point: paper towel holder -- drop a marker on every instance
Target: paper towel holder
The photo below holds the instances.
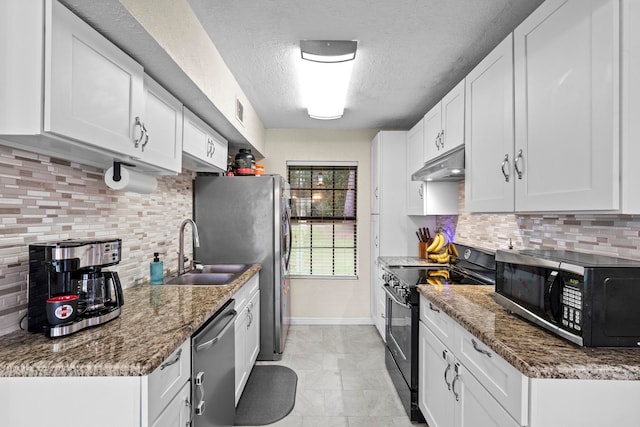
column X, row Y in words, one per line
column 117, row 171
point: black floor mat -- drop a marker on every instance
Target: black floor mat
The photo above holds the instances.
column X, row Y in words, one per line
column 269, row 396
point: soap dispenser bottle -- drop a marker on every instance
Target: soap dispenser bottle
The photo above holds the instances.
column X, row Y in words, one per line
column 156, row 270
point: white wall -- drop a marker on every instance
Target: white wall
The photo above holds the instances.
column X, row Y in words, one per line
column 327, row 300
column 177, row 30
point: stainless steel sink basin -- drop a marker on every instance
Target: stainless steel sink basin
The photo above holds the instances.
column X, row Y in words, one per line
column 210, row 275
column 225, row 268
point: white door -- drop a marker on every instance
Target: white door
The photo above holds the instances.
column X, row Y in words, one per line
column 432, row 132
column 435, row 376
column 375, row 253
column 253, row 331
column 475, row 406
column 489, row 180
column 376, row 147
column 207, row 148
column 415, row 190
column 162, row 144
column 178, row 411
column 452, row 119
column 567, row 106
column 93, row 90
column 241, row 373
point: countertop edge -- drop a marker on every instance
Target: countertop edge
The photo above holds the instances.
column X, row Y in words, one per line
column 47, row 368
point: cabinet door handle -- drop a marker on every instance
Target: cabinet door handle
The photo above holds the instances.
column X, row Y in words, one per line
column 505, row 172
column 434, row 308
column 146, row 136
column 477, row 348
column 187, row 404
column 173, row 361
column 420, row 192
column 442, row 139
column 519, row 170
column 446, row 371
column 437, row 141
column 453, row 383
column 139, row 124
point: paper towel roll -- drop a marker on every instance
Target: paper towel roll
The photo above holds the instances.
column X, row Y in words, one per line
column 130, row 181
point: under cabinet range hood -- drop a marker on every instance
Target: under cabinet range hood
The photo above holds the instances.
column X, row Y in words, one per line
column 446, row 167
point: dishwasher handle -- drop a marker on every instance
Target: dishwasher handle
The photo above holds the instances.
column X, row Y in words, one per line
column 208, row 344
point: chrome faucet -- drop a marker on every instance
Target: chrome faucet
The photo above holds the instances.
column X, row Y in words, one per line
column 196, row 243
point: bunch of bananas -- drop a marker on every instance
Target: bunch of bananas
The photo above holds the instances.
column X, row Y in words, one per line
column 437, row 277
column 441, row 250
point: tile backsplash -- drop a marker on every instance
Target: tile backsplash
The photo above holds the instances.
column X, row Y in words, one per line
column 614, row 235
column 46, row 199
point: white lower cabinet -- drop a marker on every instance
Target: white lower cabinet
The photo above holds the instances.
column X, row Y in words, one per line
column 161, row 398
column 163, row 385
column 247, row 332
column 448, row 393
column 178, row 411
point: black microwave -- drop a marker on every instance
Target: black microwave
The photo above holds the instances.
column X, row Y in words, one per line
column 591, row 300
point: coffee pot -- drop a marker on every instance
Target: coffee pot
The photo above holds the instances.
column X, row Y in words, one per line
column 98, row 291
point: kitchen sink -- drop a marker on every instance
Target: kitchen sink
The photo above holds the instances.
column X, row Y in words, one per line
column 210, row 275
column 225, row 268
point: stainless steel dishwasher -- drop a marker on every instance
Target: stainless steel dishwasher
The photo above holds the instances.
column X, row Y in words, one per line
column 213, row 370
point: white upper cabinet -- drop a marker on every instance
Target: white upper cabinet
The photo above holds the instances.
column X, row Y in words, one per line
column 489, row 134
column 567, row 145
column 162, row 142
column 72, row 94
column 415, row 190
column 444, row 124
column 204, row 150
column 93, row 90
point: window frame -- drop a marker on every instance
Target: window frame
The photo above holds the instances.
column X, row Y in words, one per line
column 333, row 220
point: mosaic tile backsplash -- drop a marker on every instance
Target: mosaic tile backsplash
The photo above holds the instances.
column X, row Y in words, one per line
column 46, row 199
column 613, row 235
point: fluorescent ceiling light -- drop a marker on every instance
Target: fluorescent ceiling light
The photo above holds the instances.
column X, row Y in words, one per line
column 325, row 75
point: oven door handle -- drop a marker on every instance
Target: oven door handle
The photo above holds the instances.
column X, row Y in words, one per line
column 394, row 297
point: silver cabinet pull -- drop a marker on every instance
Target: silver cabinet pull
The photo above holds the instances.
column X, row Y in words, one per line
column 199, row 382
column 146, row 136
column 187, row 404
column 442, row 139
column 446, row 371
column 139, row 124
column 434, row 308
column 173, row 361
column 453, row 383
column 420, row 192
column 477, row 348
column 437, row 141
column 211, row 148
column 519, row 170
column 505, row 172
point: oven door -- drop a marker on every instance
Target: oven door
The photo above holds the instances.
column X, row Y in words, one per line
column 398, row 332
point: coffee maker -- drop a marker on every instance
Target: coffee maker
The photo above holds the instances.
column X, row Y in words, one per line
column 74, row 267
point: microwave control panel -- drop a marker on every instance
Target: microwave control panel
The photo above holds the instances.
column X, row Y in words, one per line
column 571, row 302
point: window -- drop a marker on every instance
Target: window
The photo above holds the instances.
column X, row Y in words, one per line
column 323, row 219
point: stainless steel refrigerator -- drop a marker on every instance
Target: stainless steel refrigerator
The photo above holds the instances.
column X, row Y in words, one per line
column 245, row 219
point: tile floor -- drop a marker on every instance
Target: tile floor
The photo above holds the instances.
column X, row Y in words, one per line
column 342, row 379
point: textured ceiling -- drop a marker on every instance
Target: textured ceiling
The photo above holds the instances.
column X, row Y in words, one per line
column 410, row 52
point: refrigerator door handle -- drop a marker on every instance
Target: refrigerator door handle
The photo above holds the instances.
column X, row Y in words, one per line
column 287, row 220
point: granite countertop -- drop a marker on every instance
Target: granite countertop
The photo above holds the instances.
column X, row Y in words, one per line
column 532, row 350
column 154, row 322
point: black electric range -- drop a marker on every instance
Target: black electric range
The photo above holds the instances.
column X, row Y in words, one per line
column 472, row 267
